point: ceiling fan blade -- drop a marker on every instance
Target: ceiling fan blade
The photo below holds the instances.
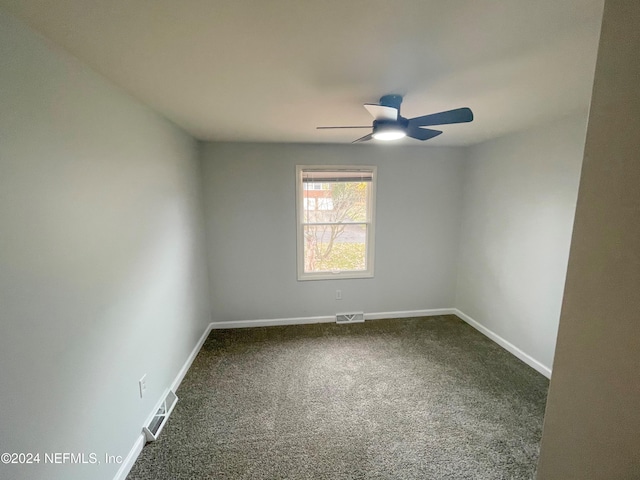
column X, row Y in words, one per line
column 364, row 139
column 325, row 128
column 381, row 112
column 422, row 133
column 459, row 115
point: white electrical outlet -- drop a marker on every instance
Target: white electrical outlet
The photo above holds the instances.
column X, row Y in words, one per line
column 142, row 383
column 338, row 294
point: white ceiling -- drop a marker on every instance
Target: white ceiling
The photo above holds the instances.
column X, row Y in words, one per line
column 273, row 70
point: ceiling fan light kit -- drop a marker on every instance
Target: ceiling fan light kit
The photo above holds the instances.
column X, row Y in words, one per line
column 388, row 131
column 388, row 124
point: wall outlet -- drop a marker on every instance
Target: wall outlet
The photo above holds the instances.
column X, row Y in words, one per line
column 142, row 383
column 338, row 294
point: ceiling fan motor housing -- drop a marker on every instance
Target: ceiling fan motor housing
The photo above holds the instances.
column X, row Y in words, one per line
column 391, row 101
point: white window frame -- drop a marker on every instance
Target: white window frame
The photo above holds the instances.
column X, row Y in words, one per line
column 370, row 242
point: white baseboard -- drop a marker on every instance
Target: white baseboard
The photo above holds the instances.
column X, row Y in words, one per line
column 192, row 356
column 409, row 313
column 131, row 458
column 510, row 347
column 133, row 454
column 271, row 322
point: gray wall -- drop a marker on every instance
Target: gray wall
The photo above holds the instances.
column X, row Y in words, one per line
column 251, row 230
column 101, row 271
column 519, row 201
column 592, row 424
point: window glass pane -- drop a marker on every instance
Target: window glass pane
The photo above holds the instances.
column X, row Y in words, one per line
column 337, row 247
column 309, row 203
column 336, row 202
column 325, row 204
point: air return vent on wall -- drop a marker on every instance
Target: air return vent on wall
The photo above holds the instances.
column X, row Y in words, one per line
column 354, row 317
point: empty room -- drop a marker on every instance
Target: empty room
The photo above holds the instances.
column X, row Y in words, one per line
column 319, row 240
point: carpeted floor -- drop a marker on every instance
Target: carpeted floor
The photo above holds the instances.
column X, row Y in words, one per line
column 416, row 398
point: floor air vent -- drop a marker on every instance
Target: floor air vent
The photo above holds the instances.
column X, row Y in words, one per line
column 159, row 420
column 354, row 317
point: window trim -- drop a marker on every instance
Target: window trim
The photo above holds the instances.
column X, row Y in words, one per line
column 370, row 249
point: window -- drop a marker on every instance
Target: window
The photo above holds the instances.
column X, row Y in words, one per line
column 335, row 208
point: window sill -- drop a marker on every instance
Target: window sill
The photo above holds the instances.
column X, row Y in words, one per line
column 303, row 277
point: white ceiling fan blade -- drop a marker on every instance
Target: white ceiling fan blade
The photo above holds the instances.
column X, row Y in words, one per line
column 380, row 112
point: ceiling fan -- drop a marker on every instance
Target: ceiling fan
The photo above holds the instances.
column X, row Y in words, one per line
column 388, row 124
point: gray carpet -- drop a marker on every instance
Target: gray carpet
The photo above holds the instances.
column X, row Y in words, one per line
column 417, row 398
